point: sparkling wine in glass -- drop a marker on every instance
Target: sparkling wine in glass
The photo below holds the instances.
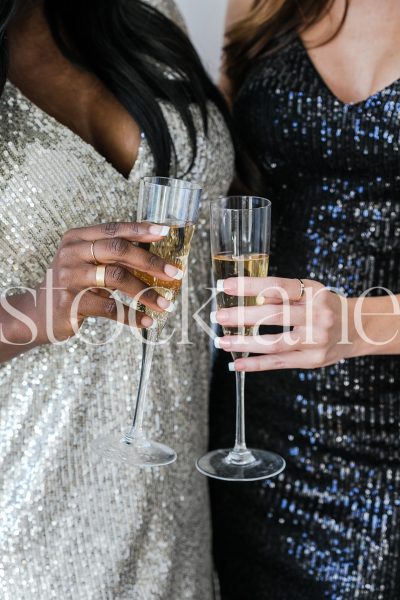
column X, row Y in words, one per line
column 175, row 203
column 173, row 249
column 228, row 265
column 240, row 243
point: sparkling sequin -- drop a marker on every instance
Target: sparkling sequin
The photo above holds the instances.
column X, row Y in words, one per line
column 329, row 526
column 72, row 526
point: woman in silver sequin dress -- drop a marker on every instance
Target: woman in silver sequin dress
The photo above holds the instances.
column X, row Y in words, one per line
column 72, row 526
column 318, row 108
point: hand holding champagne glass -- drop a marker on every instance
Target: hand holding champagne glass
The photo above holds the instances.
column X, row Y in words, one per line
column 174, row 204
column 240, row 241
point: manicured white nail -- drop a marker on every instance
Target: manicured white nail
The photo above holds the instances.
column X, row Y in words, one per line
column 213, row 317
column 159, row 230
column 173, row 272
column 217, row 343
column 231, row 366
column 260, row 300
column 148, row 322
column 165, row 304
column 171, row 308
column 220, row 285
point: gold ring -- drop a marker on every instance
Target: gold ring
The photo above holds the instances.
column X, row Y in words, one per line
column 302, row 288
column 95, row 261
column 101, row 276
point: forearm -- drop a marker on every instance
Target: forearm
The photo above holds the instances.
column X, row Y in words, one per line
column 375, row 325
column 18, row 326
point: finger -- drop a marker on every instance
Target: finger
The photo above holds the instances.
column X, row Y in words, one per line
column 267, row 287
column 101, row 292
column 298, row 359
column 119, row 278
column 93, row 305
column 123, row 252
column 134, row 232
column 259, row 344
column 116, row 278
column 288, row 315
column 145, row 296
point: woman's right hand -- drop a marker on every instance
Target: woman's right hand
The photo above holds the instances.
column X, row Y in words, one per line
column 73, row 270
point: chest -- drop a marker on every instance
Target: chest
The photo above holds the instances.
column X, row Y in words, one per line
column 81, row 103
column 51, row 181
column 358, row 56
column 299, row 128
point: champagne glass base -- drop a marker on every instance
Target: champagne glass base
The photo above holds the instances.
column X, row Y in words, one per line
column 138, row 452
column 218, row 464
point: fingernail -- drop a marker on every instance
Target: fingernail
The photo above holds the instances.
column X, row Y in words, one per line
column 260, row 300
column 159, row 230
column 217, row 343
column 220, row 285
column 147, row 321
column 232, row 366
column 165, row 304
column 222, row 317
column 173, row 272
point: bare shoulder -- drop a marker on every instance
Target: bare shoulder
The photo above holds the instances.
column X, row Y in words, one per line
column 237, row 10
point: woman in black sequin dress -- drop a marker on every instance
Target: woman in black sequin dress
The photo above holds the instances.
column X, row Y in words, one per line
column 327, row 147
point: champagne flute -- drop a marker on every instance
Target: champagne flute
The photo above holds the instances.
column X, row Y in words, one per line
column 240, row 241
column 175, row 203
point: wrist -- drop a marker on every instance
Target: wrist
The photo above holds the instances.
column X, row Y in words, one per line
column 374, row 325
column 20, row 322
column 357, row 346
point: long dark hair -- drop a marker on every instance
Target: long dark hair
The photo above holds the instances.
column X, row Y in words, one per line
column 270, row 25
column 7, row 12
column 138, row 53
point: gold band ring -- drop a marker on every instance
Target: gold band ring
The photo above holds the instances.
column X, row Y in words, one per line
column 302, row 288
column 95, row 261
column 101, row 276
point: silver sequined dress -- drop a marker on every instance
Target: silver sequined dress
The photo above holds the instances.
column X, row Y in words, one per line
column 72, row 526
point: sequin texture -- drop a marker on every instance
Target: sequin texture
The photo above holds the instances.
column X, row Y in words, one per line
column 329, row 526
column 71, row 525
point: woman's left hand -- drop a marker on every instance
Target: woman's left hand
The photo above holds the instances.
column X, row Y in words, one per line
column 322, row 324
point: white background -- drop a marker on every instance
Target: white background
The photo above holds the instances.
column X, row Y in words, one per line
column 205, row 20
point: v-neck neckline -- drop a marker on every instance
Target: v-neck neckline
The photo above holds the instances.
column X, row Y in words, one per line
column 373, row 96
column 78, row 138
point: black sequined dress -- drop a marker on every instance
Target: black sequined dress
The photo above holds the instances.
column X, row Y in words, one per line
column 329, row 527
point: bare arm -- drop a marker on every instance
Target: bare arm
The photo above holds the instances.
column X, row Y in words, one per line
column 56, row 309
column 326, row 327
column 17, row 336
column 237, row 10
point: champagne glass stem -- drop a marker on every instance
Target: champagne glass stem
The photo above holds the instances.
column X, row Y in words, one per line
column 149, row 339
column 240, row 439
column 240, row 455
